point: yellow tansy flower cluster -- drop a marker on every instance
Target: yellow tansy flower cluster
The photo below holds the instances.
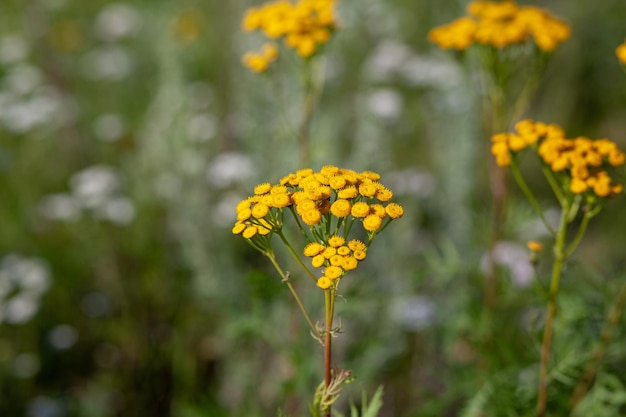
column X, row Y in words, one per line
column 337, row 258
column 303, row 26
column 341, row 193
column 329, row 202
column 500, row 24
column 583, row 159
column 621, row 53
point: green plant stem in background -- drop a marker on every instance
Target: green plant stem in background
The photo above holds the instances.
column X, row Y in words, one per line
column 606, row 335
column 557, row 267
column 314, row 84
column 529, row 195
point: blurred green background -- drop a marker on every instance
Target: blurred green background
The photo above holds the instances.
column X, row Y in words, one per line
column 129, row 131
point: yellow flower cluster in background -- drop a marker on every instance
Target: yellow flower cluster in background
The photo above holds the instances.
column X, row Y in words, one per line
column 621, row 53
column 584, row 160
column 329, row 202
column 303, row 26
column 260, row 61
column 500, row 24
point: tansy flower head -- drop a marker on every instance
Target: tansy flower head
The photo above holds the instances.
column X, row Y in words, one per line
column 325, row 205
column 581, row 163
column 303, row 26
column 501, row 24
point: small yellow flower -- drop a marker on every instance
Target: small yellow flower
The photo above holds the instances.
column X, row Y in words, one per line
column 312, row 217
column 367, row 189
column 281, row 200
column 262, row 188
column 318, row 261
column 348, row 193
column 356, row 245
column 238, row 228
column 343, row 251
column 313, row 249
column 359, row 255
column 329, row 251
column 336, row 241
column 372, row 223
column 324, row 283
column 260, row 210
column 395, row 211
column 349, row 263
column 360, row 209
column 341, row 208
column 333, row 272
column 250, row 232
column 244, row 214
column 534, row 246
column 336, row 260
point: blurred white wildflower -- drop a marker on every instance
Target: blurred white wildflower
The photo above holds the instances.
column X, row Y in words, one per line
column 23, row 79
column 97, row 189
column 414, row 313
column 60, row 206
column 109, row 127
column 23, row 114
column 429, row 71
column 112, row 63
column 118, row 210
column 62, row 336
column 22, row 283
column 230, row 168
column 411, row 181
column 384, row 62
column 13, row 49
column 25, row 365
column 385, row 103
column 95, row 185
column 201, row 127
column 392, row 60
column 117, row 21
column 515, row 257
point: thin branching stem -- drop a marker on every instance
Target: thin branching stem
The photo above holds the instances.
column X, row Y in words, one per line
column 285, row 278
column 557, row 267
column 530, row 196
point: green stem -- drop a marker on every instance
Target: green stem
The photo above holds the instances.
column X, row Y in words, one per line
column 579, row 235
column 329, row 298
column 529, row 195
column 285, row 278
column 556, row 188
column 557, row 267
column 313, row 87
column 295, row 256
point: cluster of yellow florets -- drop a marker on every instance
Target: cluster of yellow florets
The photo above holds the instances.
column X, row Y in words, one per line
column 500, row 24
column 621, row 53
column 329, row 202
column 341, row 193
column 303, row 26
column 260, row 61
column 336, row 257
column 584, row 160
